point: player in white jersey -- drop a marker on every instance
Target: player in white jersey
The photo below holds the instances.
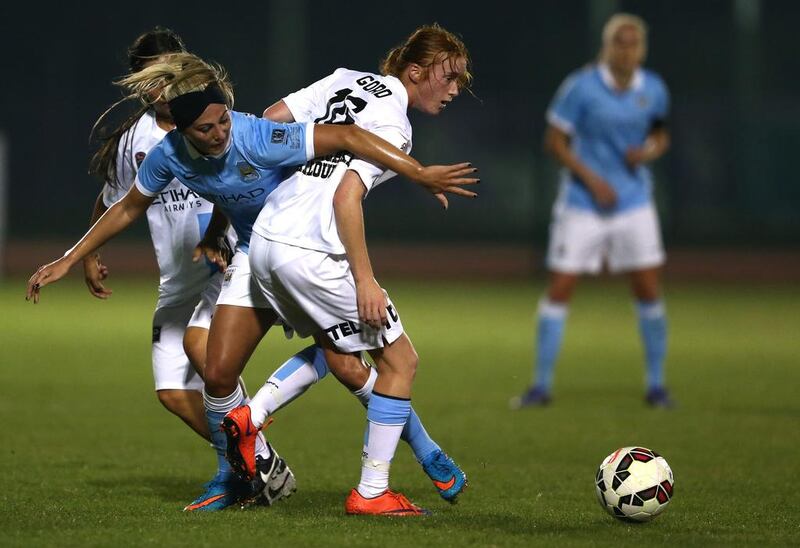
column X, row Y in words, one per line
column 308, row 252
column 215, row 157
column 606, row 122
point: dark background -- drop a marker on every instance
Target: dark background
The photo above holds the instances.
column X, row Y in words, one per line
column 731, row 67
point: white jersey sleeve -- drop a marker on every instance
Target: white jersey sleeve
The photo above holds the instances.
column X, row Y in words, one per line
column 131, row 150
column 300, row 211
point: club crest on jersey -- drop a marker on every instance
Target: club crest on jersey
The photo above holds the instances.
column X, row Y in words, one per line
column 642, row 101
column 247, row 172
column 278, row 135
column 139, row 157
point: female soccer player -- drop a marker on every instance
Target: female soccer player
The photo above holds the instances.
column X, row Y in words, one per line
column 606, row 122
column 309, row 256
column 233, row 160
column 188, row 288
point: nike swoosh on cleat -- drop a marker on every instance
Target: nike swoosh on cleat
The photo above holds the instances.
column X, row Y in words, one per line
column 445, row 486
column 275, row 492
column 205, row 502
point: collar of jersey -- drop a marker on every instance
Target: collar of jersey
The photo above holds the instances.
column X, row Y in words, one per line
column 398, row 86
column 608, row 79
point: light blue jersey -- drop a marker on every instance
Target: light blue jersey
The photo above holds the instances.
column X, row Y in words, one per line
column 238, row 181
column 603, row 124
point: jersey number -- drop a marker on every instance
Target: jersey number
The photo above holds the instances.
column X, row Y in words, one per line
column 341, row 108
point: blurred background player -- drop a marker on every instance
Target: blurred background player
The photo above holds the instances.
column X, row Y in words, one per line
column 309, row 256
column 606, row 122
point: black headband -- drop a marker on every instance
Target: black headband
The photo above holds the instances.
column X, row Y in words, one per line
column 188, row 107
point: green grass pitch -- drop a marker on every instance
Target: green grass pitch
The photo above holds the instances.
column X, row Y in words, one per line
column 89, row 458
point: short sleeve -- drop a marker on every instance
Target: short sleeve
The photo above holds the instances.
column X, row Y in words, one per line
column 373, row 174
column 274, row 144
column 125, row 170
column 154, row 173
column 662, row 102
column 303, row 102
column 565, row 109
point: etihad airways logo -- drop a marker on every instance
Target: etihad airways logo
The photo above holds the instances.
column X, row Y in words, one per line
column 177, row 199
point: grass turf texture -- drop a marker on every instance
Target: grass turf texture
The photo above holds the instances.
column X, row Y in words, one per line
column 90, row 458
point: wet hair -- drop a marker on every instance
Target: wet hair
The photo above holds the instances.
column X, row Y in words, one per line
column 617, row 22
column 428, row 45
column 147, row 47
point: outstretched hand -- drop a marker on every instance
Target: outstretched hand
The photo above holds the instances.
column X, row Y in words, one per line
column 441, row 180
column 216, row 250
column 46, row 274
column 94, row 274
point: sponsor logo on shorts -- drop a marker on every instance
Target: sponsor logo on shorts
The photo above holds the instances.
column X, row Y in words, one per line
column 156, row 333
column 348, row 329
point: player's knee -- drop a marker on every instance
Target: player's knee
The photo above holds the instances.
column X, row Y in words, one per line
column 218, row 382
column 172, row 400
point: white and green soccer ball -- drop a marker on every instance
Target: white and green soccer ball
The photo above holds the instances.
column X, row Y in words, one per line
column 634, row 484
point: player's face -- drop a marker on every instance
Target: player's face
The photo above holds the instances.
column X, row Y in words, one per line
column 626, row 51
column 211, row 131
column 440, row 85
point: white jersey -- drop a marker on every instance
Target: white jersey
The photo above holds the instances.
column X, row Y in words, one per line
column 177, row 217
column 300, row 211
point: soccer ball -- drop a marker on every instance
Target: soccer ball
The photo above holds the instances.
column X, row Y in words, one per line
column 634, row 484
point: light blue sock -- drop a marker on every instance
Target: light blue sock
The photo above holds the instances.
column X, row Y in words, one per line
column 653, row 329
column 414, row 434
column 549, row 334
column 216, row 408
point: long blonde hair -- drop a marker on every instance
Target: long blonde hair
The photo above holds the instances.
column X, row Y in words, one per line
column 427, row 45
column 175, row 75
column 147, row 47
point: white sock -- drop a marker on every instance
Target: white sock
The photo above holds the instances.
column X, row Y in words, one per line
column 225, row 403
column 365, row 391
column 288, row 382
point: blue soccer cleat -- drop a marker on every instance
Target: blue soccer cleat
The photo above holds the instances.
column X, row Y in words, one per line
column 224, row 490
column 659, row 397
column 535, row 396
column 447, row 477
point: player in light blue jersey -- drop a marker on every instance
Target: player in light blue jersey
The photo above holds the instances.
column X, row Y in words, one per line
column 605, row 124
column 234, row 161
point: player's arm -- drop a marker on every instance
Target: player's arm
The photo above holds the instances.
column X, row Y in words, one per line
column 214, row 244
column 330, row 138
column 118, row 217
column 653, row 148
column 557, row 143
column 350, row 224
column 279, row 112
column 94, row 271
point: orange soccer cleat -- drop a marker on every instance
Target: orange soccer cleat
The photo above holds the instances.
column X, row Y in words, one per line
column 387, row 504
column 241, row 434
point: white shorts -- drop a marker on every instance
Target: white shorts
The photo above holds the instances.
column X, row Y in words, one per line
column 314, row 292
column 204, row 311
column 238, row 287
column 581, row 240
